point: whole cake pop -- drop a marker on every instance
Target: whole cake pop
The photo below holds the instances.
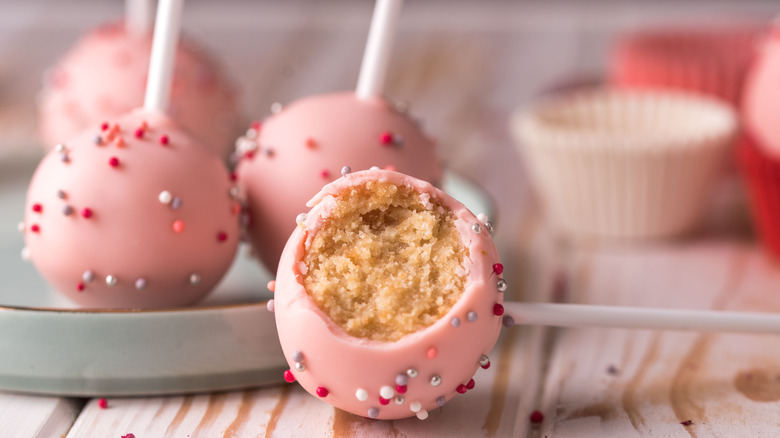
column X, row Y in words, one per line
column 388, row 296
column 134, row 213
column 289, row 157
column 104, row 74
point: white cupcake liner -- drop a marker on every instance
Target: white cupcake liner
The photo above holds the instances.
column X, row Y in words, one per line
column 622, row 163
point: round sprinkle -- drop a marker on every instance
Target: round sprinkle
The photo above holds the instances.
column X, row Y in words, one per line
column 195, row 279
column 61, row 194
column 165, row 197
column 398, row 139
column 80, row 287
column 432, row 353
column 472, row 316
column 415, row 406
column 498, row 268
column 401, row 389
column 501, row 285
column 144, row 125
column 470, row 385
column 139, row 133
column 88, row 276
column 176, row 203
column 98, row 140
column 386, row 138
column 104, row 126
column 276, row 108
column 390, row 167
column 140, row 283
column 477, row 228
column 508, row 321
column 325, row 173
column 222, row 236
column 86, row 213
column 20, row 227
column 251, row 133
column 361, row 394
column 178, row 226
column 440, row 401
column 164, row 140
column 498, row 309
column 373, row 412
column 270, row 306
column 271, row 285
column 346, row 170
column 386, row 392
column 102, row 403
column 119, row 142
column 374, row 168
column 422, row 415
column 37, row 208
column 311, row 143
column 64, row 157
column 436, row 380
column 461, row 389
column 300, row 366
column 411, row 372
column 482, row 217
column 60, row 147
column 288, row 376
column 35, row 228
column 383, row 401
column 322, row 391
column 300, row 218
column 399, row 400
column 25, row 254
column 67, row 210
column 269, row 152
column 233, row 192
column 536, row 417
column 455, row 322
column 111, row 280
column 401, row 379
column 297, row 356
column 484, row 361
column 491, row 229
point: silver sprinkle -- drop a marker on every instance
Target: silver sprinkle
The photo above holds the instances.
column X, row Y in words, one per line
column 501, row 284
column 67, row 210
column 176, row 203
column 60, row 147
column 373, row 412
column 411, row 372
column 297, row 356
column 508, row 321
column 111, row 280
column 61, row 194
column 477, row 228
column 374, row 168
column 300, row 218
column 484, row 360
column 64, row 157
column 398, row 139
column 399, row 399
column 140, row 283
column 441, row 401
column 346, row 170
column 471, row 316
column 401, row 379
column 401, row 106
column 436, row 380
column 455, row 322
column 276, row 108
column 98, row 140
column 269, row 152
column 194, row 279
column 300, row 366
column 489, row 226
column 88, row 276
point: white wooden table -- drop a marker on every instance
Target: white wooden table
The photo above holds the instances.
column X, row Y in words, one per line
column 463, row 66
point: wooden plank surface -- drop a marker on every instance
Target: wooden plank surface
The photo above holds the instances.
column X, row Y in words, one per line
column 27, row 416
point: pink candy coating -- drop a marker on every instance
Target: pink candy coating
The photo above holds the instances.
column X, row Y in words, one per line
column 761, row 96
column 355, row 370
column 306, row 145
column 103, row 76
column 125, row 232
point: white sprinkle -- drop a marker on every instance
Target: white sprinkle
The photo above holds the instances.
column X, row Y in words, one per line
column 140, row 283
column 276, row 108
column 415, row 406
column 300, row 366
column 111, row 280
column 194, row 279
column 165, row 197
column 20, row 227
column 60, row 147
column 422, row 415
column 386, row 392
column 25, row 253
column 361, row 394
column 482, row 217
column 300, row 218
column 88, row 276
column 374, row 168
column 270, row 306
column 251, row 133
column 346, row 170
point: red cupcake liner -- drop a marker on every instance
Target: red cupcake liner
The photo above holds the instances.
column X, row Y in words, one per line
column 761, row 173
column 712, row 61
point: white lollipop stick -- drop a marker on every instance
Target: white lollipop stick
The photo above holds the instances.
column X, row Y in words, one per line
column 166, row 37
column 138, row 16
column 586, row 315
column 378, row 48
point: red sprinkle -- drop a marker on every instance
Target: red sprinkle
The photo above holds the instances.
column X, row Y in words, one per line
column 80, row 287
column 178, row 226
column 256, row 125
column 322, row 392
column 461, row 389
column 401, row 389
column 129, row 435
column 686, row 422
column 536, row 417
column 498, row 268
column 249, row 155
column 383, row 401
column 113, row 161
column 432, row 353
column 104, row 126
column 471, row 384
column 486, row 366
column 498, row 309
column 288, row 376
column 139, row 133
column 325, row 174
column 35, row 228
column 37, row 208
column 222, row 236
column 102, row 403
column 233, row 176
column 164, row 140
column 86, row 213
column 390, row 167
column 144, row 125
column 386, row 138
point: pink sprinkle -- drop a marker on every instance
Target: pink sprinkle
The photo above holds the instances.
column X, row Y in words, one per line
column 104, row 126
column 129, row 435
column 498, row 268
column 113, row 161
column 432, row 353
column 102, row 403
column 222, row 236
column 86, row 213
column 271, row 285
column 139, row 133
column 401, row 389
column 311, row 143
column 390, row 167
column 235, row 209
column 498, row 309
column 288, row 376
column 383, row 401
column 461, row 389
column 35, row 228
column 322, row 392
column 256, row 125
column 164, row 140
column 178, row 226
column 37, row 208
column 325, row 174
column 471, row 384
column 80, row 287
column 386, row 138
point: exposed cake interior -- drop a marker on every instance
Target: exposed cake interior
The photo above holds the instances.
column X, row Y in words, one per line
column 387, row 262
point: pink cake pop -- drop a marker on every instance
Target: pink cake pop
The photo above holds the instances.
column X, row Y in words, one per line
column 132, row 214
column 363, row 365
column 104, row 75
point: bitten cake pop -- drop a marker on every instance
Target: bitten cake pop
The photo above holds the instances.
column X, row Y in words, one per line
column 104, row 75
column 289, row 157
column 388, row 296
column 133, row 213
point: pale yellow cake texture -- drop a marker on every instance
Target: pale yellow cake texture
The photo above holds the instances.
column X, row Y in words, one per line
column 387, row 262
